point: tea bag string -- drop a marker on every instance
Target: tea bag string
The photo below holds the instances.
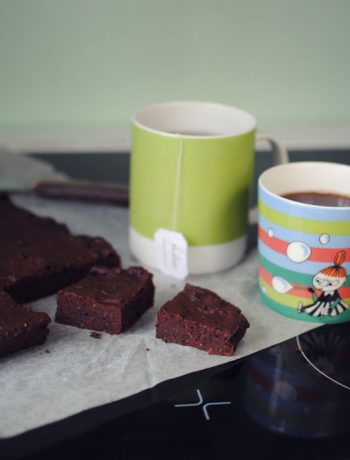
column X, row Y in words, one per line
column 178, row 172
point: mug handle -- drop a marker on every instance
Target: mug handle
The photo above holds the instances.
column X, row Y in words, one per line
column 280, row 157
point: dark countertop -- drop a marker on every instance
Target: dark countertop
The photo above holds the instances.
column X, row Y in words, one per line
column 114, row 167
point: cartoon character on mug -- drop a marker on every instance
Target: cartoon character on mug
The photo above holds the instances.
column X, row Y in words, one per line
column 328, row 281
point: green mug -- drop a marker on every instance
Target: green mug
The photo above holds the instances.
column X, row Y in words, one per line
column 191, row 172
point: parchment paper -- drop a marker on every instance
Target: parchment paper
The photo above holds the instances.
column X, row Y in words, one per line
column 72, row 371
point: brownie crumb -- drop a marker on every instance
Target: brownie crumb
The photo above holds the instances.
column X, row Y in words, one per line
column 147, row 349
column 95, row 335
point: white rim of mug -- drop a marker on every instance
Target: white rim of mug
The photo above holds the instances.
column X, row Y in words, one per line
column 193, row 136
column 297, row 203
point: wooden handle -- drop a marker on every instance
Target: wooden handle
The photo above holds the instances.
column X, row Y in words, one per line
column 94, row 192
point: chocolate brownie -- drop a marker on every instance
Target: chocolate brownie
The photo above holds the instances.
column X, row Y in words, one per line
column 39, row 256
column 107, row 299
column 200, row 318
column 20, row 327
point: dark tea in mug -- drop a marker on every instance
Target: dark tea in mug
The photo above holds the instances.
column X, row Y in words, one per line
column 319, row 198
column 304, row 240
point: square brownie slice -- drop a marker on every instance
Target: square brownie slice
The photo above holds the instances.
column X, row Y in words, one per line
column 107, row 299
column 200, row 318
column 20, row 327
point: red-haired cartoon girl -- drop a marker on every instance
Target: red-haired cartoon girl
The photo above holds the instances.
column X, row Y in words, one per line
column 328, row 280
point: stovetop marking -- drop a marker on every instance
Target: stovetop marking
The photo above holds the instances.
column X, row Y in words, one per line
column 205, row 406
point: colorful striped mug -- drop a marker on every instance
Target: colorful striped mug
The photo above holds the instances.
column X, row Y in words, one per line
column 304, row 249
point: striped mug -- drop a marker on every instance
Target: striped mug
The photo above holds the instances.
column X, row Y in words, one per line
column 304, row 249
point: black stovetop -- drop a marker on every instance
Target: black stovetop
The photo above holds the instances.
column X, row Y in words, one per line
column 289, row 401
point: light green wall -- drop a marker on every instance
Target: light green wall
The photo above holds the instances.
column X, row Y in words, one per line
column 93, row 62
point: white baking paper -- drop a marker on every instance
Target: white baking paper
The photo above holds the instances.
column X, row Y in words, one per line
column 72, row 371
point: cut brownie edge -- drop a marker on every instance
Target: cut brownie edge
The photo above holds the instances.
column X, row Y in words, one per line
column 35, row 336
column 214, row 341
column 20, row 327
column 199, row 318
column 74, row 311
column 36, row 287
column 141, row 303
column 107, row 299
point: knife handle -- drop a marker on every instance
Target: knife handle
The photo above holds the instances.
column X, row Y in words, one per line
column 117, row 194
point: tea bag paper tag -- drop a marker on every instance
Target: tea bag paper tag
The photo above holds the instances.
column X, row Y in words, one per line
column 171, row 253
